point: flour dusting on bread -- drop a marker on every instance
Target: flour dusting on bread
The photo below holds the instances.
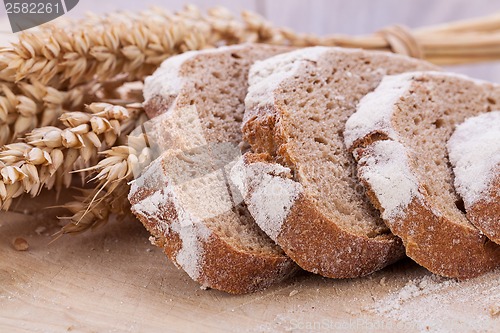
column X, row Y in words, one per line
column 266, row 76
column 166, row 80
column 385, row 166
column 193, row 233
column 474, row 151
column 186, row 224
column 272, row 193
column 435, row 229
column 377, row 108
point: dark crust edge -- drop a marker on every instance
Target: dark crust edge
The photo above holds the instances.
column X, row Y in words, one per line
column 485, row 214
column 307, row 236
column 224, row 267
column 444, row 248
column 450, row 249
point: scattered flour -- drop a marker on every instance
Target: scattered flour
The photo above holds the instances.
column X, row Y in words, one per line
column 435, row 304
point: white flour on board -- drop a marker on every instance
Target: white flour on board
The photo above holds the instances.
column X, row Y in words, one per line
column 434, row 304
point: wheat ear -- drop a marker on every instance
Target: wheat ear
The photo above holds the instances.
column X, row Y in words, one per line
column 86, row 215
column 25, row 106
column 120, row 43
column 49, row 154
column 61, row 66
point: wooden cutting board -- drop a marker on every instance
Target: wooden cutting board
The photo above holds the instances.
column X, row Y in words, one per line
column 113, row 280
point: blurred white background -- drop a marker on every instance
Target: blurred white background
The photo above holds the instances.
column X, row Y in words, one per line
column 332, row 16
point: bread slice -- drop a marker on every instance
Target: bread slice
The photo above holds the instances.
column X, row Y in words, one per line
column 399, row 136
column 474, row 151
column 184, row 198
column 301, row 187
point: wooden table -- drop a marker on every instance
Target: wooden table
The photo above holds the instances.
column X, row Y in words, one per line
column 113, row 280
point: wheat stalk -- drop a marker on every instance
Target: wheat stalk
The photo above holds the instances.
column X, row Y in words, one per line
column 50, row 153
column 86, row 215
column 38, row 71
column 135, row 44
column 25, row 106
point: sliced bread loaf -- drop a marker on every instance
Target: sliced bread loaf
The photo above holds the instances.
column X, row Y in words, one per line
column 474, row 150
column 301, row 184
column 184, row 198
column 399, row 136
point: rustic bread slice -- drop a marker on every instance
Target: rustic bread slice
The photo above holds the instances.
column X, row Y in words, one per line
column 184, row 198
column 305, row 194
column 474, row 150
column 399, row 134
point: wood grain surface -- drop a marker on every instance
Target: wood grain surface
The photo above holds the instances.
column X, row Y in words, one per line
column 113, row 280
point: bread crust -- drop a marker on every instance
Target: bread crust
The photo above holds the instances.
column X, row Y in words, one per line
column 312, row 240
column 345, row 256
column 474, row 153
column 434, row 241
column 485, row 214
column 317, row 242
column 222, row 266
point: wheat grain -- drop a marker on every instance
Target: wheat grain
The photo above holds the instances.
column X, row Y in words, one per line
column 25, row 106
column 50, row 153
column 135, row 44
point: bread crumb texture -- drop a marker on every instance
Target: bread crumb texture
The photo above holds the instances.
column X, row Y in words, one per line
column 399, row 135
